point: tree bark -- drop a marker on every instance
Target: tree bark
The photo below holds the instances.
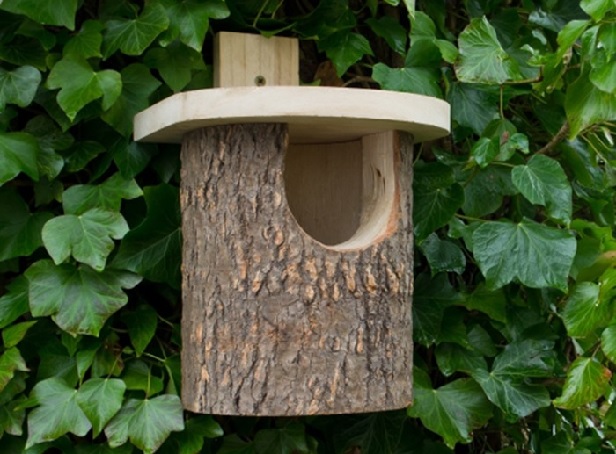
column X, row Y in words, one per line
column 275, row 323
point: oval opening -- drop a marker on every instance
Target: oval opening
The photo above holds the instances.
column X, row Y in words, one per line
column 342, row 194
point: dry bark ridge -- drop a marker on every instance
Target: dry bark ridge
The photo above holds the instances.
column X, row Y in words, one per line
column 274, row 322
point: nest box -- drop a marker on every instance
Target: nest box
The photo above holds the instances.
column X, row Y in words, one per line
column 297, row 235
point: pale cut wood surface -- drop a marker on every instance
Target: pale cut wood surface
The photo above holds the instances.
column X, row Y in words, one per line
column 274, row 322
column 246, row 60
column 314, row 114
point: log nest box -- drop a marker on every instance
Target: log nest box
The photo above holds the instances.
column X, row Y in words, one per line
column 297, row 235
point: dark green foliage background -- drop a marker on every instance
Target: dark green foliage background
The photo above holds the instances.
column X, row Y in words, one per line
column 514, row 306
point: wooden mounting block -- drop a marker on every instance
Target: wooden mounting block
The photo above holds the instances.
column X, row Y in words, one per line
column 297, row 236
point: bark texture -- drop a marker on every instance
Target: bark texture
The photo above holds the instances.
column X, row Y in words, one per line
column 274, row 323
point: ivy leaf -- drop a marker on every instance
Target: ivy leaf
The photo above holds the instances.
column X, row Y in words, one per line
column 189, row 19
column 543, row 182
column 175, row 64
column 10, row 361
column 18, row 86
column 58, row 414
column 86, row 43
column 587, row 380
column 533, row 254
column 100, row 399
column 133, row 36
column 514, row 397
column 141, row 325
column 376, row 433
column 423, row 81
column 18, row 153
column 46, row 12
column 190, row 440
column 344, row 48
column 153, row 249
column 14, row 303
column 597, row 8
column 436, row 198
column 147, row 423
column 484, row 193
column 88, row 237
column 391, row 31
column 288, row 440
column 443, row 255
column 79, row 299
column 432, row 296
column 585, row 104
column 107, row 196
column 14, row 334
column 453, row 410
column 507, row 384
column 233, row 444
column 20, row 230
column 482, row 59
column 79, row 85
column 585, row 310
column 608, row 342
column 471, row 106
column 137, row 86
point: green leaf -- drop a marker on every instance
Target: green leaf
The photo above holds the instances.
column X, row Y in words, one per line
column 471, row 106
column 100, row 399
column 137, row 86
column 543, row 182
column 423, row 81
column 507, row 384
column 431, row 297
column 141, row 325
column 452, row 358
column 586, row 105
column 190, row 440
column 14, row 303
column 18, row 153
column 20, row 230
column 79, row 299
column 533, row 254
column 586, row 381
column 482, row 59
column 138, row 376
column 88, row 237
column 391, row 31
column 175, row 64
column 189, row 19
column 597, row 8
column 79, row 85
column 153, row 249
column 490, row 302
column 453, row 410
column 131, row 158
column 233, row 444
column 46, row 12
column 10, row 361
column 436, row 198
column 288, row 440
column 608, row 342
column 146, row 423
column 585, row 310
column 484, row 193
column 133, row 36
column 107, row 196
column 344, row 48
column 58, row 414
column 376, row 433
column 86, row 43
column 18, row 86
column 14, row 334
column 484, row 151
column 514, row 397
column 443, row 255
